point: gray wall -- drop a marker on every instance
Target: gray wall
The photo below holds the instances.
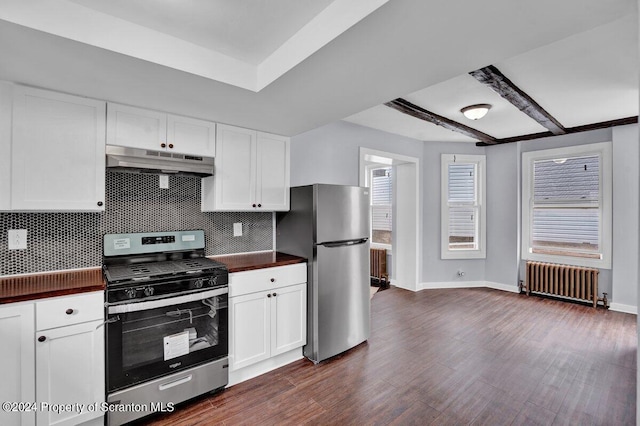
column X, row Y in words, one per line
column 330, row 154
column 622, row 149
column 435, row 269
column 503, row 214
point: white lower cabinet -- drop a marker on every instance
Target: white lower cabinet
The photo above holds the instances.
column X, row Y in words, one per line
column 52, row 365
column 17, row 383
column 271, row 319
column 250, row 337
column 70, row 359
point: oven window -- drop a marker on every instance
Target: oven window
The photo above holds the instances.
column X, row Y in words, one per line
column 167, row 333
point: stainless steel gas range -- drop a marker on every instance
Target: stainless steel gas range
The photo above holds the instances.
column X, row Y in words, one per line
column 167, row 322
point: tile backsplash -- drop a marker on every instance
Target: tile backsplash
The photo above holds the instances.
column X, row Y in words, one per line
column 133, row 203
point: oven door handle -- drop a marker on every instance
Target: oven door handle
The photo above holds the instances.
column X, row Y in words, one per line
column 169, row 301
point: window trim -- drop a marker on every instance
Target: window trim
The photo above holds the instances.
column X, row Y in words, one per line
column 602, row 149
column 481, row 179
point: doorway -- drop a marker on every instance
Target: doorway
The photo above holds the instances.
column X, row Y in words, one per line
column 403, row 211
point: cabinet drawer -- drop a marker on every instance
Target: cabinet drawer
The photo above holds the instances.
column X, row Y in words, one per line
column 268, row 278
column 67, row 310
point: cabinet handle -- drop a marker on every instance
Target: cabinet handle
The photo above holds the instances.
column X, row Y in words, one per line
column 259, row 205
column 69, row 311
column 163, row 145
column 273, row 280
column 170, row 145
column 41, row 339
column 275, row 294
column 253, row 205
column 268, row 295
column 100, row 203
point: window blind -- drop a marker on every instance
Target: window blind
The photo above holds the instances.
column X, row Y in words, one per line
column 462, row 200
column 566, row 200
column 381, row 199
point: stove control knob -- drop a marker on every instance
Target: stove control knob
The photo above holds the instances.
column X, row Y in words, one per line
column 199, row 283
column 130, row 292
column 148, row 291
column 213, row 281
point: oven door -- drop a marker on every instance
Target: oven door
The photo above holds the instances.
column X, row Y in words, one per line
column 153, row 338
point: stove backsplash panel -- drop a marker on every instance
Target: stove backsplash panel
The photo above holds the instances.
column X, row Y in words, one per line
column 134, row 203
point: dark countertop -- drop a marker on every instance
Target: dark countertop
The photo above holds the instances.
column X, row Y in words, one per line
column 51, row 284
column 250, row 261
column 23, row 288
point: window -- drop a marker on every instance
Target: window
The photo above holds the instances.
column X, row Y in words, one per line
column 381, row 205
column 566, row 205
column 463, row 207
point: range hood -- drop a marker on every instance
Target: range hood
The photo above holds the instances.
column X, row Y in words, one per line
column 157, row 162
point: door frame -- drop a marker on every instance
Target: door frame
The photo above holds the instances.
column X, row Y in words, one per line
column 406, row 204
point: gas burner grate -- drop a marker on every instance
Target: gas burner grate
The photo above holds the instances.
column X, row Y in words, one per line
column 117, row 273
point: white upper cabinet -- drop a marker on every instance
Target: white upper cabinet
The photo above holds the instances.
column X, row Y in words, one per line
column 251, row 172
column 272, row 165
column 158, row 131
column 57, row 152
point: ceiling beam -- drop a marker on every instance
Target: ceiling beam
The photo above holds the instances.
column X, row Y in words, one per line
column 408, row 108
column 577, row 129
column 492, row 77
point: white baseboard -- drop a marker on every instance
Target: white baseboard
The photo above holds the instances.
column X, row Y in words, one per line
column 503, row 287
column 627, row 309
column 255, row 370
column 450, row 284
column 618, row 307
column 468, row 284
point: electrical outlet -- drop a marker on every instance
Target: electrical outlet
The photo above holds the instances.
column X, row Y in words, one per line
column 163, row 181
column 237, row 229
column 17, row 239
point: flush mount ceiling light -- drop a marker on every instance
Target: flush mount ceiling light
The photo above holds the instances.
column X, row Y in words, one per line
column 475, row 112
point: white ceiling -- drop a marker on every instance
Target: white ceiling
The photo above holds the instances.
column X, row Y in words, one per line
column 586, row 78
column 219, row 25
column 332, row 59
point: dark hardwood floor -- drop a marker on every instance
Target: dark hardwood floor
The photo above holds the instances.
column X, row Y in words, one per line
column 451, row 357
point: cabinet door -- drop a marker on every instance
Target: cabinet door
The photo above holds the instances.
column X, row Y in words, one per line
column 70, row 370
column 18, row 360
column 58, row 155
column 249, row 329
column 6, row 105
column 272, row 185
column 190, row 136
column 288, row 318
column 136, row 127
column 233, row 186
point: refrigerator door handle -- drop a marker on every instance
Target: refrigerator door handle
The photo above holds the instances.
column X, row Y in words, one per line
column 344, row 243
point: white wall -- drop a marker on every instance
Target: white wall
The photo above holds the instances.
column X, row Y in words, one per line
column 626, row 187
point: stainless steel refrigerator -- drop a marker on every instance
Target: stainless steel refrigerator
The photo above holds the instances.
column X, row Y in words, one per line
column 329, row 225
